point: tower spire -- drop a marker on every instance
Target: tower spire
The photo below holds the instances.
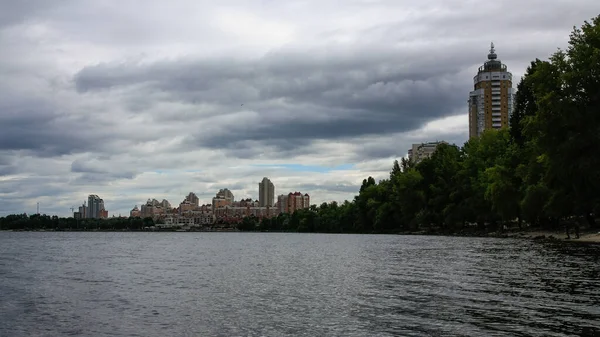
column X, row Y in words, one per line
column 492, row 55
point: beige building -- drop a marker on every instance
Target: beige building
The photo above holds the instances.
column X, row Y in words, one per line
column 266, row 193
column 239, row 212
column 153, row 208
column 491, row 101
column 226, row 194
column 418, row 152
column 135, row 212
column 192, row 199
column 223, row 198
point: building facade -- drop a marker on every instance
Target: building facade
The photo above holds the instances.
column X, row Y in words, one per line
column 418, row 152
column 491, row 101
column 95, row 208
column 266, row 193
column 291, row 202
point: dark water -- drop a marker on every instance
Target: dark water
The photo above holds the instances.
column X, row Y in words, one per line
column 238, row 284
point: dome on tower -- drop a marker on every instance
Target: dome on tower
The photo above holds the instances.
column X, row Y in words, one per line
column 493, row 63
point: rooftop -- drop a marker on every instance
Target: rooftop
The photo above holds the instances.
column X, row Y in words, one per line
column 493, row 63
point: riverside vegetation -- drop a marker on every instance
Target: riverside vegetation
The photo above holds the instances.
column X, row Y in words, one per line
column 543, row 171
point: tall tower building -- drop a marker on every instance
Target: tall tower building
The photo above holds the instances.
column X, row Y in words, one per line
column 491, row 101
column 266, row 193
column 95, row 207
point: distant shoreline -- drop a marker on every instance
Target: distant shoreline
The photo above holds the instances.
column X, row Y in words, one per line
column 533, row 234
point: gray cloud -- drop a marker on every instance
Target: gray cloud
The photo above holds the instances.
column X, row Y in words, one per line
column 298, row 98
column 36, row 126
column 346, row 187
column 15, row 12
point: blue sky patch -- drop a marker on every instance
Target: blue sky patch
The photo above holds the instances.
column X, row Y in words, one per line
column 309, row 168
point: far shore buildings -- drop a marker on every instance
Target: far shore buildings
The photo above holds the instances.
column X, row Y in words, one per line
column 418, row 152
column 491, row 101
column 223, row 211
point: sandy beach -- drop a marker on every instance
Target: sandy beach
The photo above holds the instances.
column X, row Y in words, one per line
column 588, row 237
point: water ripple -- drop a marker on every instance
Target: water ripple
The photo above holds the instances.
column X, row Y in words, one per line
column 236, row 284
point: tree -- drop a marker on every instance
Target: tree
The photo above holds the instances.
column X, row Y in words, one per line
column 567, row 124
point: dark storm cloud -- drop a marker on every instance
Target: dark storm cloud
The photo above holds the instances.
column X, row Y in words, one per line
column 300, row 96
column 6, row 170
column 34, row 125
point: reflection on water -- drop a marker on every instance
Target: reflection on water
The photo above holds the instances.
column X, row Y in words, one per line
column 242, row 284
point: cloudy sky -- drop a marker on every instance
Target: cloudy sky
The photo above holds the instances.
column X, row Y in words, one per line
column 133, row 100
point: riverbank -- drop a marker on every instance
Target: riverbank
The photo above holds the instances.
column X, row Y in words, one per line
column 585, row 236
column 537, row 234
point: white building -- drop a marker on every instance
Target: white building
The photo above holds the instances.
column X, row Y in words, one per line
column 418, row 152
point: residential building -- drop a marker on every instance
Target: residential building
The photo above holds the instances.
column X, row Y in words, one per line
column 418, row 152
column 166, row 204
column 186, row 206
column 228, row 213
column 83, row 211
column 491, row 101
column 95, row 208
column 292, row 202
column 192, row 199
column 282, row 203
column 153, row 208
column 223, row 198
column 135, row 212
column 225, row 194
column 190, row 203
column 191, row 219
column 266, row 193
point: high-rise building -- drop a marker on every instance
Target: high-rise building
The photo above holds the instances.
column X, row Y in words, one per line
column 83, row 211
column 95, row 207
column 266, row 193
column 491, row 101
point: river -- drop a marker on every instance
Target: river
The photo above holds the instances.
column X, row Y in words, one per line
column 274, row 284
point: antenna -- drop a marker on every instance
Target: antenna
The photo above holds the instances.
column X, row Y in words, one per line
column 38, row 208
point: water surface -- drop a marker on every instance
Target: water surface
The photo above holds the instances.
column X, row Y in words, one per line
column 254, row 284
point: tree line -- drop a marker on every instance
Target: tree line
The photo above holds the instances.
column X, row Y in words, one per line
column 542, row 171
column 47, row 222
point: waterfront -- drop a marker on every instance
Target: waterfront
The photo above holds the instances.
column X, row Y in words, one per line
column 276, row 284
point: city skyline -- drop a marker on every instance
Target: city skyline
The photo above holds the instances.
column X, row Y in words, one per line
column 88, row 211
column 200, row 96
